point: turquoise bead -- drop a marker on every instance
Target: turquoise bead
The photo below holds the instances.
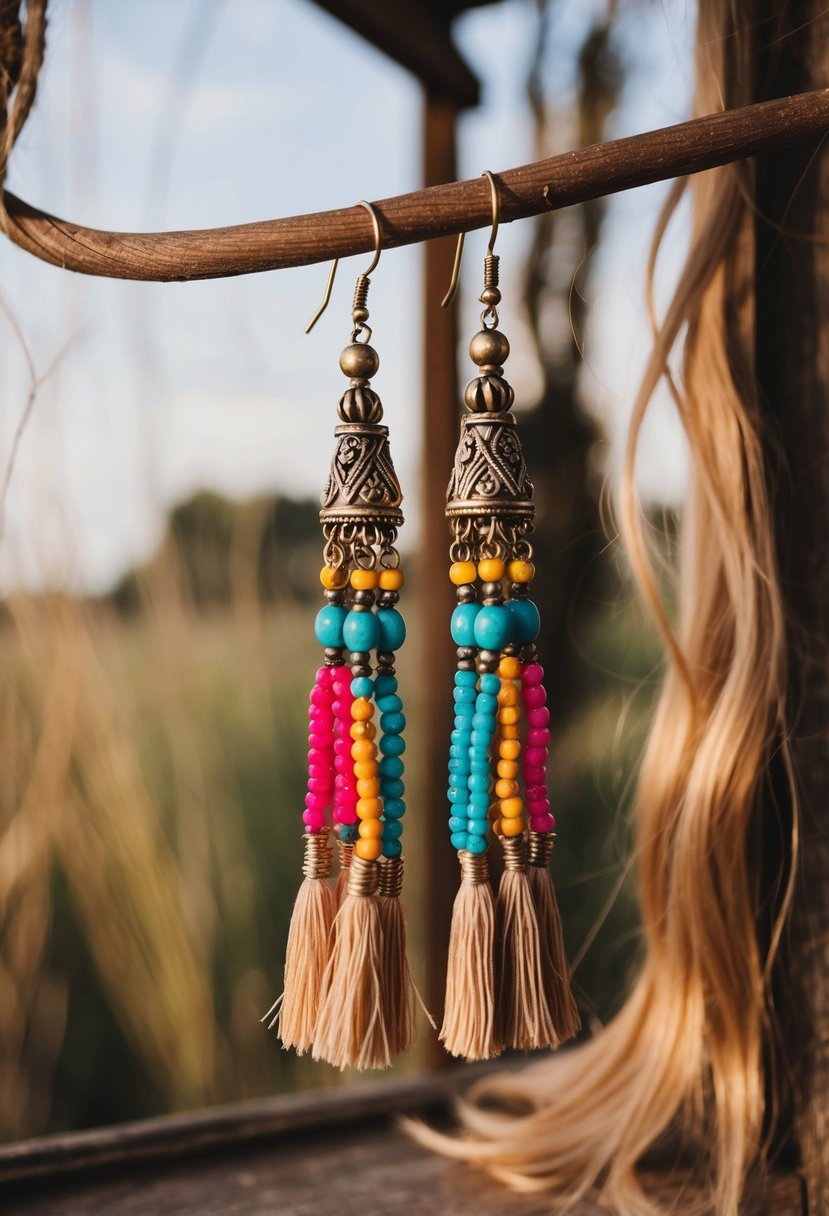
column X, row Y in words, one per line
column 458, row 765
column 457, row 823
column 349, row 832
column 391, row 766
column 525, row 621
column 475, row 844
column 479, row 765
column 392, row 745
column 491, row 684
column 477, row 827
column 464, row 694
column 463, row 625
column 393, row 788
column 362, row 686
column 393, row 808
column 328, row 626
column 360, row 631
column 486, row 704
column 480, row 800
column 479, row 781
column 466, row 679
column 392, row 848
column 392, row 830
column 458, row 840
column 484, row 722
column 392, row 629
column 481, row 739
column 384, row 685
column 491, row 628
column 392, row 724
column 390, row 704
column 457, row 794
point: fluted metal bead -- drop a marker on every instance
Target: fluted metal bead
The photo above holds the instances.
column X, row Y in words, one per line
column 488, row 395
column 360, row 403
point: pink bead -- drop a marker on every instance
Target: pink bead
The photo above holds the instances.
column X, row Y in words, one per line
column 317, row 755
column 535, row 774
column 320, row 742
column 314, row 822
column 539, row 807
column 342, row 746
column 323, row 676
column 532, row 673
column 542, row 823
column 320, row 785
column 319, row 771
column 535, row 757
column 340, row 689
column 316, row 801
column 534, row 696
column 343, row 764
column 538, row 717
column 536, row 793
column 538, row 736
column 320, row 695
column 342, row 814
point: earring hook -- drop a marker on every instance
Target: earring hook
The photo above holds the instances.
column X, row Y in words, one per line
column 378, row 249
column 456, row 267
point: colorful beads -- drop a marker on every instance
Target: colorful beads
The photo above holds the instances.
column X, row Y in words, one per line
column 364, row 580
column 391, row 580
column 360, row 631
column 535, row 757
column 525, row 621
column 461, row 573
column 492, row 627
column 491, row 569
column 392, row 629
column 333, row 577
column 520, row 571
column 462, row 625
column 321, row 755
column 328, row 626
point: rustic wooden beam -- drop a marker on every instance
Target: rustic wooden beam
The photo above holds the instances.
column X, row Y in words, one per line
column 560, row 181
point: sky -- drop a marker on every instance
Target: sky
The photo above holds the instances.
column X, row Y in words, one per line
column 202, row 113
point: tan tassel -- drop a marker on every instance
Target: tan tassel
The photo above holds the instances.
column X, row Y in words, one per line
column 345, row 848
column 351, row 1026
column 554, row 963
column 306, row 955
column 469, row 1016
column 397, row 983
column 524, row 1017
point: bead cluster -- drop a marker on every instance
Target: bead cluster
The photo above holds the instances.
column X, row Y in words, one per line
column 368, row 773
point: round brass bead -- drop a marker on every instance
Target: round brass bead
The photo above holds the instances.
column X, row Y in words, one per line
column 490, row 296
column 359, row 361
column 489, row 346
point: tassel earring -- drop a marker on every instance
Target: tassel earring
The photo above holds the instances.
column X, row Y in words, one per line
column 507, row 980
column 347, row 967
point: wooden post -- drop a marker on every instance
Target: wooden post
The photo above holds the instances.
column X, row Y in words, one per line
column 793, row 376
column 440, row 428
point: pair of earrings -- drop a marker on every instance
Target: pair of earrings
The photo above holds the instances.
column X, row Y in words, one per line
column 348, row 993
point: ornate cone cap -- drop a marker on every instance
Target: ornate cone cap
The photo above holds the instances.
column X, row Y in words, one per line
column 362, row 484
column 489, row 475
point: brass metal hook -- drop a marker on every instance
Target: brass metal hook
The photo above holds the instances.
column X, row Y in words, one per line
column 496, row 215
column 378, row 249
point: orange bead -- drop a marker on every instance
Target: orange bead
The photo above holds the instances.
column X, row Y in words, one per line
column 509, row 715
column 371, row 829
column 491, row 569
column 362, row 709
column 364, row 580
column 509, row 668
column 365, row 768
column 508, row 694
column 363, row 749
column 520, row 571
column 368, row 787
column 503, row 788
column 369, row 808
column 511, row 808
column 511, row 827
column 391, row 580
column 362, row 730
column 496, row 827
column 368, row 850
column 461, row 573
column 508, row 749
column 333, row 577
column 507, row 769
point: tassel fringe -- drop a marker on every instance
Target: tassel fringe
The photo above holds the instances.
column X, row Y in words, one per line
column 469, row 1017
column 525, row 1019
column 345, row 850
column 397, row 984
column 555, row 967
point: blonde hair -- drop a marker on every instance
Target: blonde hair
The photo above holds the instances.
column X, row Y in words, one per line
column 687, row 1046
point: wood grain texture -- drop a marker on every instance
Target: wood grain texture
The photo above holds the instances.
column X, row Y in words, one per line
column 309, row 1154
column 560, row 181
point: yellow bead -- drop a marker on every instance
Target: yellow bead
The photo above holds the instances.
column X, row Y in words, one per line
column 507, row 770
column 371, row 829
column 506, row 731
column 510, row 715
column 521, row 572
column 368, row 787
column 504, row 788
column 363, row 749
column 508, row 749
column 364, row 580
column 462, row 572
column 362, row 730
column 511, row 808
column 511, row 827
column 391, row 580
column 509, row 668
column 368, row 850
column 491, row 570
column 369, row 808
column 508, row 694
column 333, row 577
column 365, row 768
column 362, row 709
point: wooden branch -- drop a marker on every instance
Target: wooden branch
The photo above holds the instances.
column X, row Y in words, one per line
column 561, row 181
